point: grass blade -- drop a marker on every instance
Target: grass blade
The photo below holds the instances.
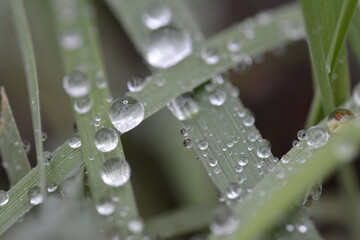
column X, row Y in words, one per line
column 66, row 162
column 89, row 59
column 28, row 56
column 11, row 145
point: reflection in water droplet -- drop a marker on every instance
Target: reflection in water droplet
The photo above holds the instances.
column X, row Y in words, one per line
column 338, row 118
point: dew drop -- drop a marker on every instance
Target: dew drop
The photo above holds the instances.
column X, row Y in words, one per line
column 156, row 15
column 301, row 134
column 224, row 222
column 167, row 46
column 183, row 132
column 210, row 55
column 302, row 228
column 35, row 195
column 105, row 207
column 263, row 151
column 76, row 84
column 47, row 157
column 106, row 140
column 43, row 136
column 217, row 98
column 289, row 227
column 316, row 136
column 26, row 145
column 243, row 161
column 52, row 187
column 136, row 84
column 213, row 162
column 203, row 145
column 135, row 225
column 338, row 118
column 234, row 45
column 184, row 107
column 285, row 159
column 4, row 198
column 234, row 191
column 75, row 142
column 126, row 113
column 312, row 196
column 71, row 41
column 187, row 143
column 83, row 105
column 115, row 172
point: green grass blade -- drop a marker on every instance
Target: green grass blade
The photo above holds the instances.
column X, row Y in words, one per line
column 28, row 56
column 192, row 71
column 11, row 145
column 354, row 33
column 88, row 56
column 66, row 161
column 287, row 182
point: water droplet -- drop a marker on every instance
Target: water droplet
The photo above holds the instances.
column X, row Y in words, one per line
column 136, row 84
column 285, row 159
column 313, row 195
column 4, row 198
column 203, row 145
column 26, row 145
column 295, row 143
column 187, row 143
column 213, row 162
column 224, row 222
column 156, row 15
column 52, row 187
column 105, row 207
column 289, row 227
column 47, row 157
column 115, row 172
column 43, row 136
column 301, row 134
column 316, row 137
column 356, row 94
column 210, row 55
column 243, row 161
column 135, row 225
column 302, row 228
column 249, row 120
column 76, row 84
column 71, row 41
column 183, row 132
column 184, row 107
column 126, row 113
column 217, row 98
column 83, row 105
column 167, row 46
column 234, row 191
column 35, row 195
column 338, row 118
column 75, row 142
column 106, row 140
column 263, row 151
column 234, row 45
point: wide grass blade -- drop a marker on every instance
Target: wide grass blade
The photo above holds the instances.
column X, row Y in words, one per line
column 12, row 149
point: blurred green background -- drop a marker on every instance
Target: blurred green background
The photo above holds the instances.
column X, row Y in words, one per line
column 165, row 175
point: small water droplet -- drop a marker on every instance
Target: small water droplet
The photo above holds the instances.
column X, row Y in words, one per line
column 184, row 107
column 106, row 139
column 210, row 55
column 338, row 118
column 249, row 120
column 136, row 84
column 135, row 225
column 217, row 98
column 75, row 142
column 234, row 45
column 47, row 157
column 203, row 145
column 115, row 172
column 213, row 162
column 285, row 158
column 35, row 195
column 289, row 227
column 105, row 207
column 187, row 143
column 224, row 222
column 264, row 151
column 83, row 105
column 302, row 228
column 301, row 134
column 156, row 15
column 167, row 46
column 43, row 136
column 71, row 40
column 52, row 187
column 243, row 161
column 76, row 84
column 313, row 195
column 316, row 136
column 4, row 198
column 234, row 191
column 183, row 132
column 26, row 145
column 126, row 113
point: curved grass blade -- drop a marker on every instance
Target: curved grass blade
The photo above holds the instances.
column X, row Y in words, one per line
column 28, row 56
column 87, row 57
column 12, row 149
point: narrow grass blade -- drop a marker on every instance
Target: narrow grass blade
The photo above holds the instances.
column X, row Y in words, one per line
column 87, row 58
column 354, row 33
column 28, row 56
column 12, row 149
column 286, row 183
column 272, row 29
column 66, row 162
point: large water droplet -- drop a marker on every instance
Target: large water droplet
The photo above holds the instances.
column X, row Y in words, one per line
column 115, row 172
column 105, row 207
column 106, row 140
column 35, row 195
column 210, row 55
column 76, row 84
column 338, row 118
column 156, row 15
column 184, row 107
column 316, row 137
column 167, row 46
column 217, row 98
column 4, row 198
column 126, row 113
column 75, row 142
column 224, row 222
column 83, row 105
